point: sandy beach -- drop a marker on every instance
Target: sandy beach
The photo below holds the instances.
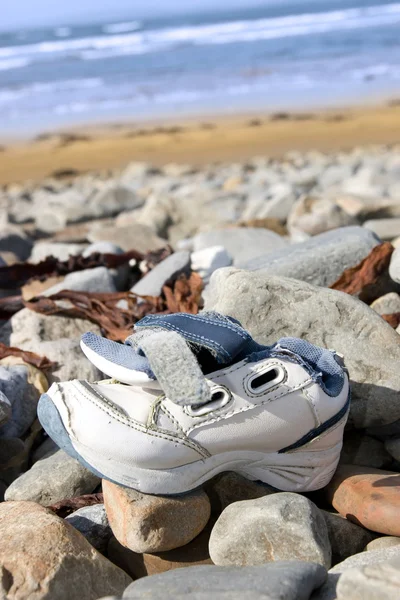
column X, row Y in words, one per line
column 197, row 141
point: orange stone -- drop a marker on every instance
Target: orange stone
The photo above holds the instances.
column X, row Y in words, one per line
column 368, row 497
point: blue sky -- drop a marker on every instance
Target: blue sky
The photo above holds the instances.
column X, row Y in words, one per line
column 24, row 13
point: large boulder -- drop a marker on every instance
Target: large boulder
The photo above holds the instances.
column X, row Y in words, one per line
column 319, row 260
column 274, row 307
column 44, row 558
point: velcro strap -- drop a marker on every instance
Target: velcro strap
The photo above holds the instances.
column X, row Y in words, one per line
column 224, row 338
column 176, row 368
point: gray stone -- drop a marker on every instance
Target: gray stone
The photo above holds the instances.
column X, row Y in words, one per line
column 386, row 229
column 283, row 580
column 115, row 198
column 58, row 338
column 172, row 266
column 372, row 582
column 92, row 522
column 102, row 248
column 13, row 239
column 47, row 448
column 393, row 447
column 313, row 215
column 120, row 275
column 5, row 408
column 206, row 261
column 365, row 451
column 387, row 304
column 242, row 243
column 11, row 449
column 274, row 307
column 346, row 538
column 229, row 487
column 371, row 557
column 44, row 558
column 394, row 267
column 276, row 204
column 53, row 210
column 23, row 397
column 282, row 526
column 98, row 279
column 52, row 479
column 385, row 432
column 42, row 250
column 387, row 541
column 361, row 560
column 334, row 174
column 132, row 237
column 320, row 260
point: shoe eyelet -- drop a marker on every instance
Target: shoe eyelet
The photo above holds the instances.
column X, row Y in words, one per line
column 220, row 397
column 259, row 382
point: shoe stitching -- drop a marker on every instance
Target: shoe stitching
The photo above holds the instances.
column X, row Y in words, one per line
column 314, row 405
column 245, row 408
column 227, row 371
column 172, row 418
column 112, row 412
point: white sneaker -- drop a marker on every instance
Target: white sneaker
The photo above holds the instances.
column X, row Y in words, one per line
column 274, row 414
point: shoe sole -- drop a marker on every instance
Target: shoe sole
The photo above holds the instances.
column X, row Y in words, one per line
column 303, row 470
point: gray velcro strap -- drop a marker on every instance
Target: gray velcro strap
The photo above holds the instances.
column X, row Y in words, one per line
column 176, row 368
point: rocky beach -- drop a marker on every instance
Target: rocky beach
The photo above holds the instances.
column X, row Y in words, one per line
column 295, row 231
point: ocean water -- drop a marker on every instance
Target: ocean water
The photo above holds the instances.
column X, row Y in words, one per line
column 291, row 55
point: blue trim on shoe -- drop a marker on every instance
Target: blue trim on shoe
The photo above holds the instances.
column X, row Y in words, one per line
column 319, row 430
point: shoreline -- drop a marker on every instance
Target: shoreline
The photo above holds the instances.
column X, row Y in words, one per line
column 198, row 140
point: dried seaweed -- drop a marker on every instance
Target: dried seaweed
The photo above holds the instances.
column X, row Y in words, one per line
column 14, row 276
column 102, row 309
column 185, row 295
column 40, row 362
column 369, row 279
column 69, row 505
